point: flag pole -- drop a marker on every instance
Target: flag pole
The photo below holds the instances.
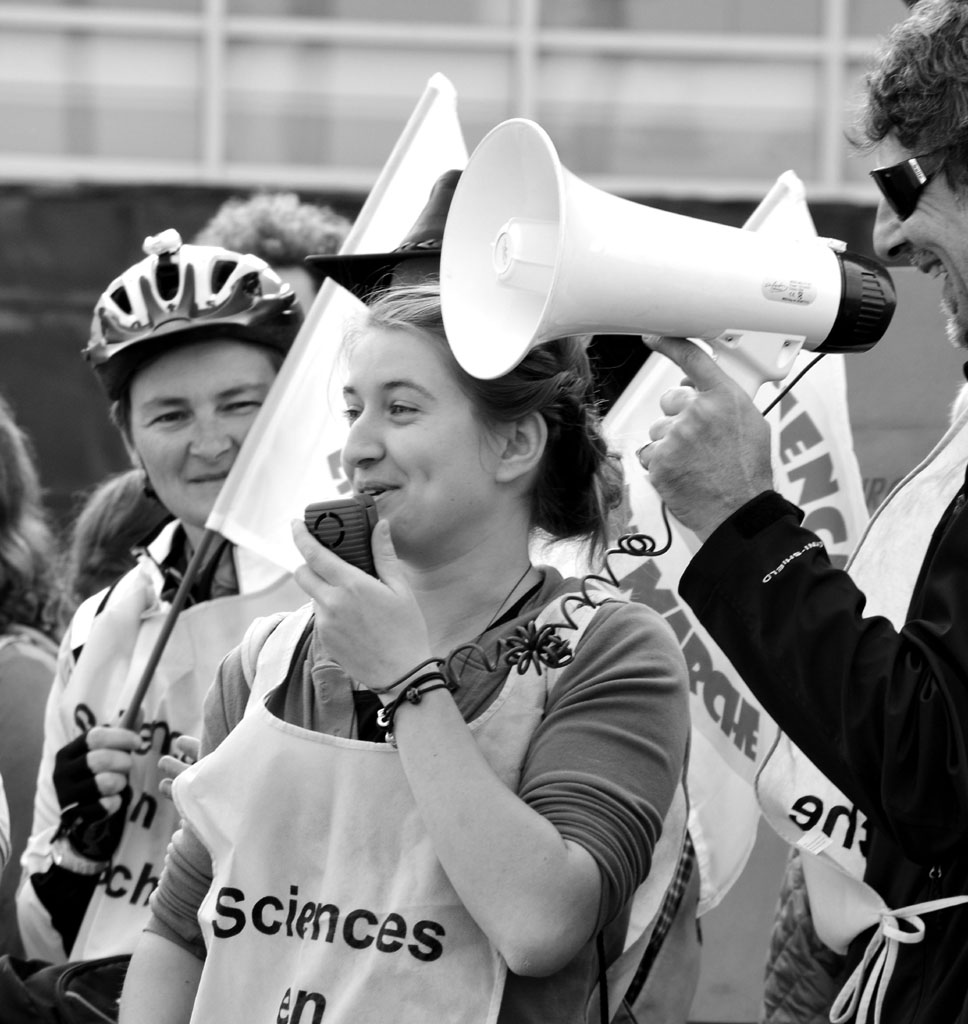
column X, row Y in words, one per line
column 219, row 523
column 130, row 717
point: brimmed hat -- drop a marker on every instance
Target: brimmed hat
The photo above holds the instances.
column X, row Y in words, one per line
column 418, row 255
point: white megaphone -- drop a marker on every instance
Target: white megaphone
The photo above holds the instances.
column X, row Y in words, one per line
column 531, row 253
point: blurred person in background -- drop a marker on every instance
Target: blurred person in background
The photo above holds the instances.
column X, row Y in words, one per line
column 186, row 343
column 118, row 515
column 282, row 230
column 29, row 631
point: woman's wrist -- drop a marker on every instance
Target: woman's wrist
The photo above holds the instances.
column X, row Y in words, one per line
column 389, row 693
column 421, row 680
column 63, row 855
column 412, row 693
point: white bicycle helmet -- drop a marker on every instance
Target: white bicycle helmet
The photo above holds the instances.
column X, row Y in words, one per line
column 184, row 293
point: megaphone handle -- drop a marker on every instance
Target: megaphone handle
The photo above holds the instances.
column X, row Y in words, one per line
column 753, row 357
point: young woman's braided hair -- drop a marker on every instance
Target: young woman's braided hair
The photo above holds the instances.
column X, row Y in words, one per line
column 579, row 482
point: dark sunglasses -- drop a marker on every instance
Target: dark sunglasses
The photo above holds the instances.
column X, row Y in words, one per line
column 902, row 183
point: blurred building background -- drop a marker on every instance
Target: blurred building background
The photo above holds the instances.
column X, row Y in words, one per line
column 643, row 97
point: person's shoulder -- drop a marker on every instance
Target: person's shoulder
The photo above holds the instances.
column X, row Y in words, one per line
column 249, row 670
column 282, row 625
column 27, row 646
column 614, row 610
column 619, row 630
column 82, row 621
column 87, row 612
column 626, row 624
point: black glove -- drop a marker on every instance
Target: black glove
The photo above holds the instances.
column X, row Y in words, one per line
column 90, row 829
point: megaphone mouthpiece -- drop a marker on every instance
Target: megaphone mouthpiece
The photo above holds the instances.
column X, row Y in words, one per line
column 868, row 300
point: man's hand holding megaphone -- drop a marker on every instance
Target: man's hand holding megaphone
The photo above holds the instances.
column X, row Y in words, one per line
column 710, row 453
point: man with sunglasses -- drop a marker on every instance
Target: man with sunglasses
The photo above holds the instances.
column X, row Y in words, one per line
column 867, row 671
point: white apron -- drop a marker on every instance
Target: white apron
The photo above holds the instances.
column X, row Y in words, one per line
column 106, row 674
column 328, row 902
column 829, row 830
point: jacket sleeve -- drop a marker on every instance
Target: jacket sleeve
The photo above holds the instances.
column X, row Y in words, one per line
column 883, row 713
column 41, row 938
column 27, row 670
column 51, row 901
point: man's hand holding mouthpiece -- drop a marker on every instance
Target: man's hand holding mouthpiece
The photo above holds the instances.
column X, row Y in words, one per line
column 710, row 453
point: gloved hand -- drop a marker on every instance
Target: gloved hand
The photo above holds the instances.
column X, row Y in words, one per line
column 91, row 781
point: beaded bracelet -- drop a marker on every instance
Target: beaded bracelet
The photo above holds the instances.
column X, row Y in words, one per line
column 413, row 693
column 436, row 662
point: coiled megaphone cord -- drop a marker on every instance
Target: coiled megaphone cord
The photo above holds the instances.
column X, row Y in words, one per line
column 528, row 644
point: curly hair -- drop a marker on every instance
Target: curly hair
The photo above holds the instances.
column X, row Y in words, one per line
column 29, row 591
column 579, row 483
column 275, row 226
column 917, row 87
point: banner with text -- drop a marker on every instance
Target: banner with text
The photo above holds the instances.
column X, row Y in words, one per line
column 815, row 467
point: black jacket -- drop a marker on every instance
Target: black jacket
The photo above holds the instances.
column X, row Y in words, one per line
column 883, row 714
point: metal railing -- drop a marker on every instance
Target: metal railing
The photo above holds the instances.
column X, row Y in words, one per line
column 522, row 45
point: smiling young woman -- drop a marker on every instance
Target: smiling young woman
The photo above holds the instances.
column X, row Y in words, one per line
column 459, row 841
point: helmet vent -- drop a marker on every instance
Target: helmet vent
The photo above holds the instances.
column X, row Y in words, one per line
column 252, row 284
column 167, row 278
column 121, row 300
column 221, row 271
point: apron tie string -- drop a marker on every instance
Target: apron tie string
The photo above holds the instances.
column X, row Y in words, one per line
column 879, row 959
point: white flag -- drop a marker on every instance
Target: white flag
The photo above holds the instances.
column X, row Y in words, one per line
column 815, row 467
column 291, row 457
column 4, row 828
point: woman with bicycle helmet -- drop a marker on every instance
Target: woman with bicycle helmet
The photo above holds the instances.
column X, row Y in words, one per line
column 186, row 343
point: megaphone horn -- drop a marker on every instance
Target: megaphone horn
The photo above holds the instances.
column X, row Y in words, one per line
column 530, row 253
